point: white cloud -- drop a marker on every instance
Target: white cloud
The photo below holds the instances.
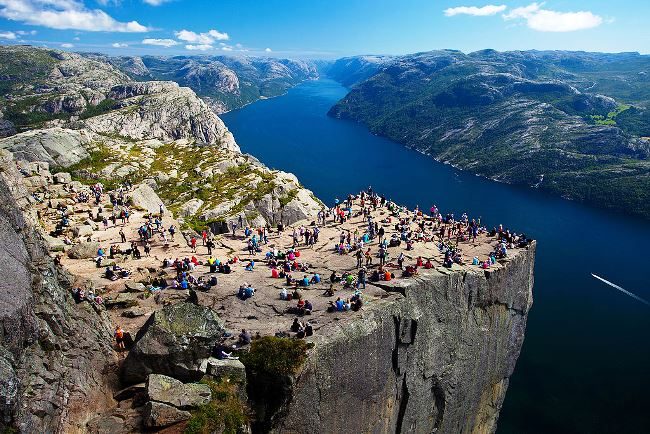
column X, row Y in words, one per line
column 119, row 45
column 545, row 20
column 160, row 42
column 199, row 47
column 25, row 32
column 66, row 45
column 475, row 11
column 268, row 50
column 226, row 48
column 206, row 38
column 219, row 36
column 8, row 35
column 155, row 2
column 64, row 14
column 76, row 38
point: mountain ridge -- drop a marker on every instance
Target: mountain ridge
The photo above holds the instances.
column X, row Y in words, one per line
column 531, row 118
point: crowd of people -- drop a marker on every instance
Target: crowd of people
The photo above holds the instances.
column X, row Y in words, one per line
column 379, row 243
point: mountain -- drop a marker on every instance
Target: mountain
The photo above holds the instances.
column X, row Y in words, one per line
column 225, row 82
column 83, row 115
column 352, row 70
column 572, row 123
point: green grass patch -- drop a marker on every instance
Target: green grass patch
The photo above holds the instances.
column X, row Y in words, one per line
column 103, row 107
column 225, row 413
column 276, row 356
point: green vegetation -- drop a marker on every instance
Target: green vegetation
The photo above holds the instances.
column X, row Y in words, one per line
column 224, row 413
column 99, row 109
column 24, row 114
column 240, row 184
column 286, row 199
column 276, row 356
column 22, row 66
column 610, row 119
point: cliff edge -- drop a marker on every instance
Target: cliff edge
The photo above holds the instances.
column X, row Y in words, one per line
column 437, row 359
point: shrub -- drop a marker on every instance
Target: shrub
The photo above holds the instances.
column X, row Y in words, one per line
column 276, row 356
column 224, row 413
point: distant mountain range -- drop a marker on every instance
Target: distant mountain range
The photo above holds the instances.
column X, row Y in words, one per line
column 225, row 82
column 572, row 123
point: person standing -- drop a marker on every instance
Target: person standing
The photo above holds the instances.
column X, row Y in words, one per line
column 362, row 278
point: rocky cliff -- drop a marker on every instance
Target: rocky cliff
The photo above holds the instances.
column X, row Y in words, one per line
column 55, row 356
column 438, row 359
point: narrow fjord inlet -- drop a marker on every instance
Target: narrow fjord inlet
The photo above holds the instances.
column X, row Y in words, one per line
column 308, row 217
column 565, row 371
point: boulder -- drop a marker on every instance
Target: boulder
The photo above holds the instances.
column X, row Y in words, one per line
column 123, row 300
column 173, row 342
column 84, row 250
column 56, row 146
column 83, row 231
column 54, row 244
column 145, row 198
column 167, row 390
column 134, row 286
column 134, row 312
column 62, row 178
column 232, row 369
column 158, row 415
column 191, row 207
column 35, row 181
column 130, row 392
column 172, row 296
column 107, row 424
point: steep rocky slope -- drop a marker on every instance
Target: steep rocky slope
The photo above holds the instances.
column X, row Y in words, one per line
column 532, row 118
column 55, row 357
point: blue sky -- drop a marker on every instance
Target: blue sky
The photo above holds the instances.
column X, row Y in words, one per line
column 315, row 28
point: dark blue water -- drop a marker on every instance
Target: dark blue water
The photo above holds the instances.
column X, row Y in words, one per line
column 585, row 360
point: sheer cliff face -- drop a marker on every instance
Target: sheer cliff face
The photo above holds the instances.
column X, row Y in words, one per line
column 437, row 360
column 54, row 355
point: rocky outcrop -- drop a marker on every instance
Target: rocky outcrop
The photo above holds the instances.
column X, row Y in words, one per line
column 7, row 128
column 437, row 360
column 170, row 391
column 54, row 354
column 162, row 110
column 144, row 197
column 173, row 342
column 56, row 146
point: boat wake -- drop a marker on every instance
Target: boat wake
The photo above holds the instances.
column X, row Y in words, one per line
column 613, row 285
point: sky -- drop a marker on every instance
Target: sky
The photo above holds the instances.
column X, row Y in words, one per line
column 324, row 29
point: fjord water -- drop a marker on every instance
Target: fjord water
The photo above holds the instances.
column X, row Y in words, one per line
column 585, row 360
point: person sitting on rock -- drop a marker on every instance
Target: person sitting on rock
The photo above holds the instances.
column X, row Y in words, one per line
column 308, row 307
column 250, row 266
column 110, row 274
column 244, row 338
column 283, row 294
column 296, row 325
column 309, row 329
